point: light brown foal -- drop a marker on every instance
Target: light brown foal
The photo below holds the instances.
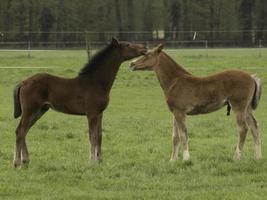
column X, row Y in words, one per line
column 190, row 95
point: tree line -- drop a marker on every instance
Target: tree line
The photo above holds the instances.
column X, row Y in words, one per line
column 49, row 20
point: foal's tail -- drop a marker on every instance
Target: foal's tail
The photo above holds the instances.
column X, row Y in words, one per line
column 17, row 106
column 257, row 92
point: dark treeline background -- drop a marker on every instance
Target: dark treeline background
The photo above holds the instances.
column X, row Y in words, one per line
column 49, row 20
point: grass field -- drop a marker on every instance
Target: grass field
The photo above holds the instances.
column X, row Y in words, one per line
column 136, row 137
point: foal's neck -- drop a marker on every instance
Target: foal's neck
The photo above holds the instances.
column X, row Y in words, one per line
column 168, row 71
column 106, row 72
column 109, row 70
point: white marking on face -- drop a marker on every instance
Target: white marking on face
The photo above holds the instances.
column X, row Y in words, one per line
column 134, row 60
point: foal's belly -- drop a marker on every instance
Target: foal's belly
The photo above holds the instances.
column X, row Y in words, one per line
column 66, row 109
column 206, row 108
column 67, row 106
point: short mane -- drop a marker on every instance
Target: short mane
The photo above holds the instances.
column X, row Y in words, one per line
column 179, row 67
column 97, row 60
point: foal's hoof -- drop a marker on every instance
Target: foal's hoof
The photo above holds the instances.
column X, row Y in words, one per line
column 25, row 163
column 173, row 159
column 237, row 158
column 16, row 163
column 186, row 156
column 99, row 160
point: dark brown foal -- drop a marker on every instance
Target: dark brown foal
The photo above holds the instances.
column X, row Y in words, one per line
column 87, row 94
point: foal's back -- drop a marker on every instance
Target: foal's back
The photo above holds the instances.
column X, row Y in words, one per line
column 198, row 95
column 226, row 80
column 67, row 95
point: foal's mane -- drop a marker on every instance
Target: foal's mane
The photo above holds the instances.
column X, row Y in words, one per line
column 97, row 60
column 179, row 67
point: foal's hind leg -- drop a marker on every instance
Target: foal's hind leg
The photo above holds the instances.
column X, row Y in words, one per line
column 175, row 141
column 243, row 128
column 27, row 121
column 17, row 153
column 253, row 125
column 21, row 151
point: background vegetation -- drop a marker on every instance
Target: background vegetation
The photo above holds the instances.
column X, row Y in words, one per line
column 136, row 140
column 215, row 18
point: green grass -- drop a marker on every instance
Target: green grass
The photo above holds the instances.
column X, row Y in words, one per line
column 136, row 139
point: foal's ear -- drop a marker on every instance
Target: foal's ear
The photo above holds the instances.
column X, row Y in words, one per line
column 114, row 42
column 159, row 48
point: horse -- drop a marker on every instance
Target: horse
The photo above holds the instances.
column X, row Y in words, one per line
column 86, row 94
column 187, row 94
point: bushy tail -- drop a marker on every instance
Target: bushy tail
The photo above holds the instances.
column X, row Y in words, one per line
column 17, row 106
column 257, row 92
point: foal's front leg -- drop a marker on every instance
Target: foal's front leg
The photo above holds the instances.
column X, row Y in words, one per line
column 182, row 131
column 175, row 141
column 95, row 136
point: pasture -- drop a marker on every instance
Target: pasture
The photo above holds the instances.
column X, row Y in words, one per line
column 137, row 130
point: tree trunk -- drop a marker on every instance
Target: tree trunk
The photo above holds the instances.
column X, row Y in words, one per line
column 246, row 9
column 130, row 9
column 30, row 37
column 118, row 18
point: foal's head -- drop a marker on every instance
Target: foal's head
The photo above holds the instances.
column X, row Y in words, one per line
column 129, row 50
column 148, row 61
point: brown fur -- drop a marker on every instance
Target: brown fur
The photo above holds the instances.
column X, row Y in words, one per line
column 87, row 94
column 191, row 95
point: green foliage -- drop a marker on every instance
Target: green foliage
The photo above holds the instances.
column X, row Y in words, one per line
column 136, row 138
column 21, row 16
